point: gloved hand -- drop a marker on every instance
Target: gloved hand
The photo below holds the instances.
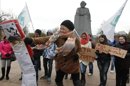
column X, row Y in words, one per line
column 75, row 57
column 28, row 40
column 7, row 55
column 97, row 52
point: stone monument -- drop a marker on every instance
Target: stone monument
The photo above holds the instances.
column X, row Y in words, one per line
column 82, row 19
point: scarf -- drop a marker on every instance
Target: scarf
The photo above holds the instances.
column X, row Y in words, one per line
column 85, row 40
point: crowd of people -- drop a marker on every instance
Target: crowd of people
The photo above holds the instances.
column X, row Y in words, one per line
column 67, row 59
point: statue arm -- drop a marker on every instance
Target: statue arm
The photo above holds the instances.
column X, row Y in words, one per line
column 89, row 16
column 77, row 11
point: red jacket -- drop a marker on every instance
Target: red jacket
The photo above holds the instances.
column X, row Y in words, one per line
column 30, row 51
column 5, row 48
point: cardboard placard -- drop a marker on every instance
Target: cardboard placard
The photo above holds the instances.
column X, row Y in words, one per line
column 118, row 52
column 87, row 54
column 112, row 50
column 102, row 48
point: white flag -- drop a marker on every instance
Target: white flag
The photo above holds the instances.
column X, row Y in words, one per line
column 24, row 17
column 108, row 27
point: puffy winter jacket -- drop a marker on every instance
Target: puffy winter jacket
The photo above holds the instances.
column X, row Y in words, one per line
column 5, row 49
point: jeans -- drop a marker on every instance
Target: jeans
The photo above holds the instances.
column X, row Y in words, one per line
column 112, row 62
column 48, row 64
column 36, row 66
column 39, row 64
column 103, row 69
column 91, row 67
column 83, row 68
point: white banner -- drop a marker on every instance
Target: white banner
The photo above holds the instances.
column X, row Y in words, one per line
column 108, row 27
column 21, row 53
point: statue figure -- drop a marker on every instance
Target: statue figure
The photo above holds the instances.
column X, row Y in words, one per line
column 82, row 20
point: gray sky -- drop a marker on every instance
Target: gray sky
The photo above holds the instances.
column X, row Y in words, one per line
column 48, row 14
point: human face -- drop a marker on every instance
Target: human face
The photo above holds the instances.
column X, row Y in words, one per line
column 121, row 40
column 49, row 33
column 36, row 35
column 64, row 29
column 83, row 36
column 101, row 39
column 3, row 34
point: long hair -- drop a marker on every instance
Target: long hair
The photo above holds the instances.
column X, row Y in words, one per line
column 103, row 36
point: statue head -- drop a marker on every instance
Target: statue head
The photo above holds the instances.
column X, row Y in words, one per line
column 83, row 4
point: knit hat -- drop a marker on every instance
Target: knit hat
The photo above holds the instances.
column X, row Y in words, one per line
column 68, row 24
column 38, row 31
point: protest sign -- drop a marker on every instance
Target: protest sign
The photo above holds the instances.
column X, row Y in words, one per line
column 87, row 54
column 118, row 52
column 111, row 50
column 102, row 48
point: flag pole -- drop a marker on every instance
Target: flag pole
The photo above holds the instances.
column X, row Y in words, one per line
column 29, row 17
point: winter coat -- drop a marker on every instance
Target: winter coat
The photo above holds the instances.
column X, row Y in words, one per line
column 37, row 51
column 103, row 56
column 5, row 49
column 69, row 63
column 123, row 63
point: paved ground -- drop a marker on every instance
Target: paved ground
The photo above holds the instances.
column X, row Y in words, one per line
column 91, row 80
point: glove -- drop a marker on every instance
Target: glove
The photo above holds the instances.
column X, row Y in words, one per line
column 28, row 41
column 7, row 55
column 75, row 57
column 97, row 52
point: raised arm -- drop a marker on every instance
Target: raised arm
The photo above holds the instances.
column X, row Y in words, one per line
column 40, row 40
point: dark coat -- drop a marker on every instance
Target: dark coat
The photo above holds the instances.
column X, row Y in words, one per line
column 123, row 63
column 103, row 56
column 69, row 63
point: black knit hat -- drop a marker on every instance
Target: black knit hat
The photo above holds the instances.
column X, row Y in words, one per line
column 68, row 24
column 38, row 31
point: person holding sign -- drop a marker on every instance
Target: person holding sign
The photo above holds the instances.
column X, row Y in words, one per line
column 103, row 61
column 85, row 43
column 122, row 65
column 68, row 46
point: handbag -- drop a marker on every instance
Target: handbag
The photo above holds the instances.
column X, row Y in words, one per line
column 13, row 58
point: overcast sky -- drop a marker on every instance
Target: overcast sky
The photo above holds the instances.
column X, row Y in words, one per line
column 48, row 14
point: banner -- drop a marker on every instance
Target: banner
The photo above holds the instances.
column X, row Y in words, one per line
column 12, row 28
column 112, row 50
column 108, row 27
